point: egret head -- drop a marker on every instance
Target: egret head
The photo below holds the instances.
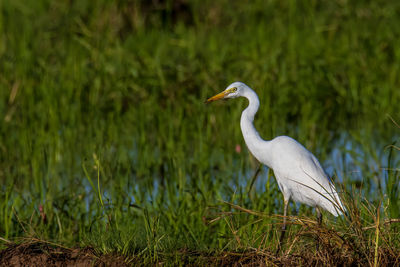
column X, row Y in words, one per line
column 234, row 90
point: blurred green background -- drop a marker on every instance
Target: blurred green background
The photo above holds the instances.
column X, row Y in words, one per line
column 105, row 138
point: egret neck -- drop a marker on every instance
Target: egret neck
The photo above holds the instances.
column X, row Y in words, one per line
column 254, row 142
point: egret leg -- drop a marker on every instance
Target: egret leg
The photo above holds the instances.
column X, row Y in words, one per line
column 319, row 220
column 286, row 203
column 319, row 216
column 254, row 179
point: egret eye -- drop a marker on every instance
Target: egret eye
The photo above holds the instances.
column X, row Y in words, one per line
column 234, row 89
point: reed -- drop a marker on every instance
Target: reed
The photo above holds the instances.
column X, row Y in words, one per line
column 105, row 140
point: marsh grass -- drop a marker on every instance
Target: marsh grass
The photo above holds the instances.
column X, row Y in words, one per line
column 105, row 140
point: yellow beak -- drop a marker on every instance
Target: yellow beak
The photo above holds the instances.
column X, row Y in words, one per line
column 217, row 97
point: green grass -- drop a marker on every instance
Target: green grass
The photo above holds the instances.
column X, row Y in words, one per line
column 104, row 126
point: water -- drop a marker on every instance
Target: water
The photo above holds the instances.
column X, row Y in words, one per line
column 348, row 163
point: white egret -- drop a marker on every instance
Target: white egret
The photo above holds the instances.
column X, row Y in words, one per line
column 299, row 174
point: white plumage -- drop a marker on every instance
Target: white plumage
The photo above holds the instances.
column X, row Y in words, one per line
column 299, row 174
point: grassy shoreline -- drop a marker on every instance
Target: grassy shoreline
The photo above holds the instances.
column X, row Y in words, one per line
column 105, row 141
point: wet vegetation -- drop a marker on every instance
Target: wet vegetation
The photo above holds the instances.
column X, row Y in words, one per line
column 106, row 143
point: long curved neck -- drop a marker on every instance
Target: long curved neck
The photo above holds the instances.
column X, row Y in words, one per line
column 254, row 142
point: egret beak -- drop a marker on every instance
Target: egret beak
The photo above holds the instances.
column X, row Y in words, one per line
column 217, row 97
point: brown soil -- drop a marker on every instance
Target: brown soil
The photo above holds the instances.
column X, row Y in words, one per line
column 43, row 254
column 39, row 253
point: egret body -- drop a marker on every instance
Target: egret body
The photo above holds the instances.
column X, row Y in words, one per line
column 299, row 174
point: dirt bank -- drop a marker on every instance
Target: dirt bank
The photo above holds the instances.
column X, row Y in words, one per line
column 44, row 254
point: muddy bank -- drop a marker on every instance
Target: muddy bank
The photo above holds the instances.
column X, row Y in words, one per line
column 43, row 254
column 39, row 253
